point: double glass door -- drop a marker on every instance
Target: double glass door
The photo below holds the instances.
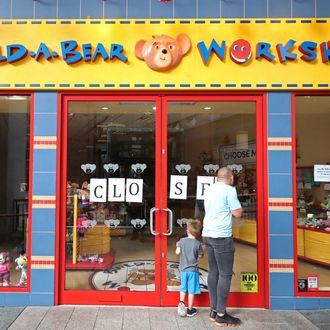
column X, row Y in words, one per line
column 134, row 170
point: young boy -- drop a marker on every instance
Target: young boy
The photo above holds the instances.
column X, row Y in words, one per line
column 189, row 249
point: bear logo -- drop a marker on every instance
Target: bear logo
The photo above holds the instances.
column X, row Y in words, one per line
column 183, row 168
column 182, row 222
column 138, row 168
column 88, row 168
column 211, row 169
column 111, row 168
column 112, row 223
column 162, row 52
column 138, row 223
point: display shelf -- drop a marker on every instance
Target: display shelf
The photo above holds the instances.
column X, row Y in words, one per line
column 245, row 230
column 313, row 245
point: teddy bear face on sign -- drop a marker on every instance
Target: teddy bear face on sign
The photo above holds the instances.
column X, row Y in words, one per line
column 162, row 52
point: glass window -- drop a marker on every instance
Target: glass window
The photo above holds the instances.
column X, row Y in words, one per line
column 313, row 192
column 14, row 169
column 202, row 137
column 108, row 243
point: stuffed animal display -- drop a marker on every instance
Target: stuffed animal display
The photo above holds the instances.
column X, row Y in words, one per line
column 4, row 269
column 22, row 263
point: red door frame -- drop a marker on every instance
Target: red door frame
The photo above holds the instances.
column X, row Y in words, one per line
column 237, row 299
column 160, row 296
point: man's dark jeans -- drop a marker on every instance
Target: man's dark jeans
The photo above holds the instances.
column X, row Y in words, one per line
column 220, row 255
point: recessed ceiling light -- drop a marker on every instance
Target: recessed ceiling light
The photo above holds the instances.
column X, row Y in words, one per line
column 207, row 108
column 105, row 108
column 16, row 97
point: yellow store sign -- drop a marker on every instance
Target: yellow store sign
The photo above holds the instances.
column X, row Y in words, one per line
column 207, row 54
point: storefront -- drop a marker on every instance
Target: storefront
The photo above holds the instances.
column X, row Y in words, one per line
column 114, row 129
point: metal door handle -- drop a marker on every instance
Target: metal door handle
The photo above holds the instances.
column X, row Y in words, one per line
column 152, row 211
column 170, row 222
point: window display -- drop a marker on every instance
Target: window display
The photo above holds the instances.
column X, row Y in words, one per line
column 312, row 192
column 14, row 168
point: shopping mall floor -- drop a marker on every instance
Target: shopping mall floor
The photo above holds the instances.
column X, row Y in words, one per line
column 129, row 318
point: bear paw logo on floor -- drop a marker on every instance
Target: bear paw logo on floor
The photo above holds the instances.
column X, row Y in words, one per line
column 162, row 52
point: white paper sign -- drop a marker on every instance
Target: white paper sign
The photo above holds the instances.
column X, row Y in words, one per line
column 322, row 173
column 98, row 190
column 116, row 190
column 134, row 190
column 178, row 187
column 203, row 183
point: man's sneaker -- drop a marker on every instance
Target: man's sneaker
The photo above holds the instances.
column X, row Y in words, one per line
column 182, row 309
column 191, row 312
column 227, row 320
column 213, row 315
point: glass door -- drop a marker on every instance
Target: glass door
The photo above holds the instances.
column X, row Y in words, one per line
column 110, row 184
column 204, row 134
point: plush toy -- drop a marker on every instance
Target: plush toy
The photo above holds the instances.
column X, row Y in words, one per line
column 83, row 194
column 22, row 263
column 326, row 204
column 4, row 269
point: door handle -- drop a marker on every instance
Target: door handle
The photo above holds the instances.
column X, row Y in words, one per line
column 170, row 222
column 152, row 211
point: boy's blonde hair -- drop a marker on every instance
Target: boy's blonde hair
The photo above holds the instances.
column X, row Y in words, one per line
column 194, row 227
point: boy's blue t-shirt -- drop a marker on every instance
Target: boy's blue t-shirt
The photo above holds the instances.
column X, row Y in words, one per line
column 190, row 250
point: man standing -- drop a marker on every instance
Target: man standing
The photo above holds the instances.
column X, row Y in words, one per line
column 221, row 203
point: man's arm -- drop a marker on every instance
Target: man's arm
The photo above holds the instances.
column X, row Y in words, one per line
column 237, row 213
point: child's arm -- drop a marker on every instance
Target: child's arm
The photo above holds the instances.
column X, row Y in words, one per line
column 201, row 251
column 177, row 250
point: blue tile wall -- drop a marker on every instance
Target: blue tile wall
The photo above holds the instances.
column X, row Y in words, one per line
column 161, row 9
column 43, row 220
column 280, row 223
column 281, row 247
column 41, row 299
column 324, row 303
column 44, row 184
column 280, row 161
column 138, row 9
column 185, row 9
column 322, row 8
column 303, row 8
column 280, row 8
column 114, row 9
column 44, row 160
column 282, row 303
column 45, row 124
column 182, row 8
column 279, row 103
column 43, row 244
column 5, row 9
column 68, row 8
column 16, row 299
column 209, row 8
column 22, row 9
column 307, row 303
column 45, row 9
column 232, row 8
column 91, row 9
column 256, row 8
column 45, row 102
column 42, row 280
column 281, row 284
column 280, row 186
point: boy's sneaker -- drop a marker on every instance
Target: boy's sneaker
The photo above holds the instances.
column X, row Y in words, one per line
column 227, row 320
column 182, row 309
column 213, row 315
column 191, row 312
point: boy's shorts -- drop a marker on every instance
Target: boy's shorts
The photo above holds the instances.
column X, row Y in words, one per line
column 190, row 282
